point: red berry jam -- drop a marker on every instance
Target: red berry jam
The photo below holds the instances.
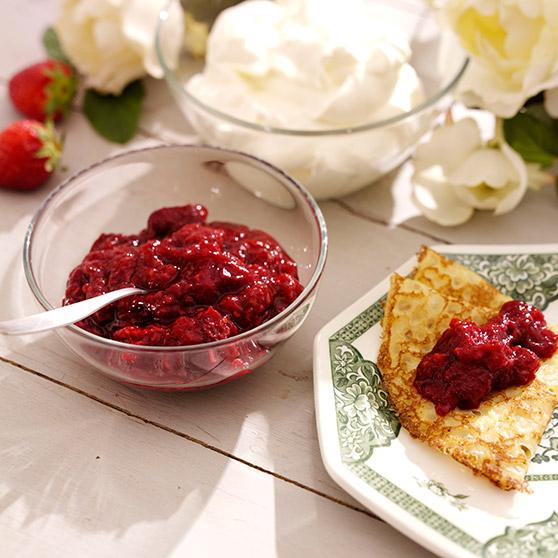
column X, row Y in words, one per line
column 209, row 281
column 469, row 362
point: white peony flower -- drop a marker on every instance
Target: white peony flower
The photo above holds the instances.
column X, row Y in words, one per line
column 513, row 49
column 456, row 173
column 111, row 42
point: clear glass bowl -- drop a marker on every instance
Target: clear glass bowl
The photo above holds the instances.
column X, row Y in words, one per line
column 333, row 163
column 118, row 194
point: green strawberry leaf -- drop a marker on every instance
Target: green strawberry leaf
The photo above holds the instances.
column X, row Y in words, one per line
column 115, row 117
column 533, row 134
column 60, row 90
column 52, row 45
column 52, row 145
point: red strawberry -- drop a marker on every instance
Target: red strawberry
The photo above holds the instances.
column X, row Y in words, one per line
column 29, row 153
column 44, row 90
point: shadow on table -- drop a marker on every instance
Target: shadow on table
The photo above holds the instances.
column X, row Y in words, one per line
column 17, row 208
column 64, row 456
column 307, row 524
column 307, row 527
column 106, row 477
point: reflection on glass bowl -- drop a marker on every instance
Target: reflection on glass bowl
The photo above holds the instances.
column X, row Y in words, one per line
column 335, row 161
column 117, row 195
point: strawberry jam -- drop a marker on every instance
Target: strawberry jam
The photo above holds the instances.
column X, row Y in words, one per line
column 208, row 281
column 469, row 362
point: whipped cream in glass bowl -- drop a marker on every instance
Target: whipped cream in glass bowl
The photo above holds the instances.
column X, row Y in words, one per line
column 335, row 93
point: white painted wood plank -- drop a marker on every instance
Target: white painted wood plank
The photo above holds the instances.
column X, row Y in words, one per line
column 161, row 117
column 79, row 479
column 22, row 24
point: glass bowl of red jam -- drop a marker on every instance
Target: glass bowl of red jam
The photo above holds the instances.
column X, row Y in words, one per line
column 230, row 248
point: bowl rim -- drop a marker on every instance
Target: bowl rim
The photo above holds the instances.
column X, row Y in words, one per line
column 180, row 88
column 286, row 180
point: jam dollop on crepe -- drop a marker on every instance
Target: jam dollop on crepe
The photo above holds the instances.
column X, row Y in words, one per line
column 470, row 361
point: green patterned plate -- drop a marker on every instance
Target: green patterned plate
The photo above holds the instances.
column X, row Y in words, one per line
column 426, row 495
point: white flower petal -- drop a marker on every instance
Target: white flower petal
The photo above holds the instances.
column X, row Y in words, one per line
column 486, row 165
column 111, row 42
column 495, row 180
column 449, row 145
column 139, row 23
column 480, row 87
column 436, row 199
column 515, row 195
column 480, row 196
column 512, row 45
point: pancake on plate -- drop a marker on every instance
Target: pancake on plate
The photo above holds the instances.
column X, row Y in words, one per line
column 499, row 438
column 455, row 280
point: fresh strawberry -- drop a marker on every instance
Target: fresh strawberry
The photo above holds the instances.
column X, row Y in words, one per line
column 29, row 153
column 44, row 90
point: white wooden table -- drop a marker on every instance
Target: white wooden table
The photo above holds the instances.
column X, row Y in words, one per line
column 90, row 468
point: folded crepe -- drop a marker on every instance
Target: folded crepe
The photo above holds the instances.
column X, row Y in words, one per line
column 499, row 438
column 456, row 280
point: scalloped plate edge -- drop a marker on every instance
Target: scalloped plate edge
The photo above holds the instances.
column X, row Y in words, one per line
column 326, row 421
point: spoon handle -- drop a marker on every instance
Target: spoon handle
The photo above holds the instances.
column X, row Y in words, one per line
column 65, row 314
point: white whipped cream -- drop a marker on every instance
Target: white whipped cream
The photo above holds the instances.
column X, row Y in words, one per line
column 308, row 65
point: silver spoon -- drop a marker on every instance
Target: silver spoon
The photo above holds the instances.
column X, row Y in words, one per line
column 64, row 315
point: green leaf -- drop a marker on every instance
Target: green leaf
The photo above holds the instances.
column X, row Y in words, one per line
column 115, row 117
column 533, row 134
column 52, row 45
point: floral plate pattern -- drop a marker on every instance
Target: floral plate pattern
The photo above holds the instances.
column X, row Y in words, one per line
column 426, row 495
